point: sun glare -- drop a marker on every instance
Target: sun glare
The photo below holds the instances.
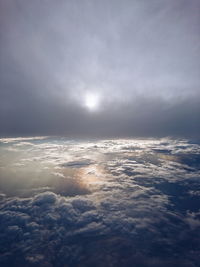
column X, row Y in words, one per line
column 91, row 101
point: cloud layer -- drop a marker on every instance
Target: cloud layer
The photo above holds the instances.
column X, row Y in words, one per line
column 140, row 57
column 120, row 202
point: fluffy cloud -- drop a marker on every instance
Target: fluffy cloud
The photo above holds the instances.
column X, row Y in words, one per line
column 141, row 206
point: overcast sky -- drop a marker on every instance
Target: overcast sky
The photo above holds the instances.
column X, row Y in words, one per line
column 138, row 58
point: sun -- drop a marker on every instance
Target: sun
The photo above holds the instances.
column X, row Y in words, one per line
column 92, row 101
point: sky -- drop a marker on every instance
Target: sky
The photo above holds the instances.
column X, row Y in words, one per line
column 100, row 68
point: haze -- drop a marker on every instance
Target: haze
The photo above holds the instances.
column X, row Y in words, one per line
column 141, row 57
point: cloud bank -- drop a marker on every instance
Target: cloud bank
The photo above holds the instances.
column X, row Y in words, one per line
column 134, row 202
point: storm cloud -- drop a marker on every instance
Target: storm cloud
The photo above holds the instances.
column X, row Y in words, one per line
column 140, row 57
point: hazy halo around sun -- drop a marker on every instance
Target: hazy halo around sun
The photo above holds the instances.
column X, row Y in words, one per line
column 91, row 101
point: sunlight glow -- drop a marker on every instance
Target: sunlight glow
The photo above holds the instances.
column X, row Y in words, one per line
column 91, row 101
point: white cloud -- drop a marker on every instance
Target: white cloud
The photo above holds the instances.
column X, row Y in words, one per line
column 145, row 200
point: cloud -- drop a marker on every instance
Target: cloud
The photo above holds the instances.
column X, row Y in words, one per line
column 45, row 198
column 147, row 76
column 77, row 164
column 142, row 208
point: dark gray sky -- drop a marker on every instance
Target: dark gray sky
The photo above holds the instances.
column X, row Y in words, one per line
column 138, row 58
